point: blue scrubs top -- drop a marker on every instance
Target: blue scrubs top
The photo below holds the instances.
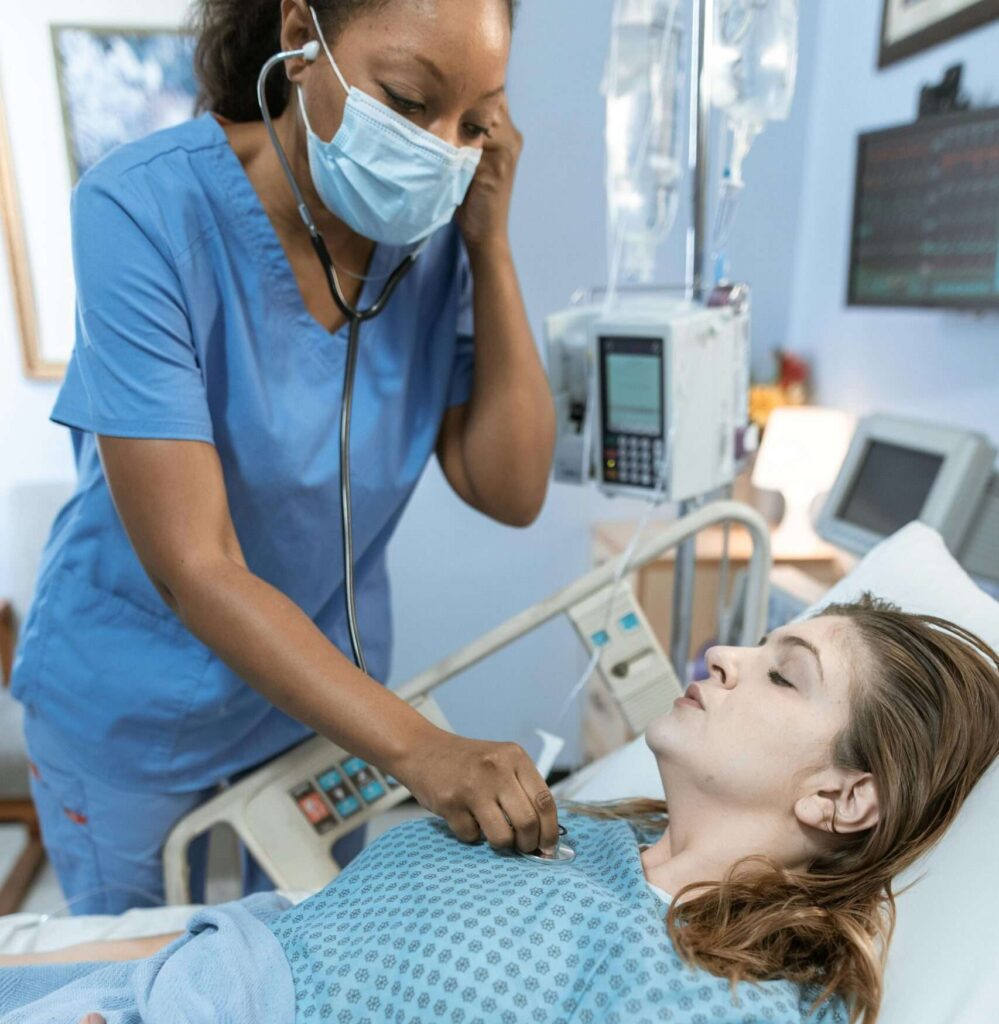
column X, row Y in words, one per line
column 191, row 326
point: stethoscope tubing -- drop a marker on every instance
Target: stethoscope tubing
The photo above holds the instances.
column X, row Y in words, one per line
column 355, row 317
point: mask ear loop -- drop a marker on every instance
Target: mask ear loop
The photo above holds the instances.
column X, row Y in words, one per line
column 325, row 45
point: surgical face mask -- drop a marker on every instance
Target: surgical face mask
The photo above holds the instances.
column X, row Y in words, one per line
column 383, row 176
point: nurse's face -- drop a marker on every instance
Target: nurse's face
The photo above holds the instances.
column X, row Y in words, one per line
column 769, row 718
column 439, row 63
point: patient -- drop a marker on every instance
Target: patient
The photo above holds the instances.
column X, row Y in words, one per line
column 810, row 772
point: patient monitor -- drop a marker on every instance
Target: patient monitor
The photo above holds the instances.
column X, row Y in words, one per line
column 899, row 470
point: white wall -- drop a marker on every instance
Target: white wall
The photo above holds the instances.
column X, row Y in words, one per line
column 35, row 457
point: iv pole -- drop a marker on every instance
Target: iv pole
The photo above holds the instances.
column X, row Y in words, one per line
column 702, row 32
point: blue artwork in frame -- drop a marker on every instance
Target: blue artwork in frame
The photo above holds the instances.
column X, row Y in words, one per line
column 118, row 85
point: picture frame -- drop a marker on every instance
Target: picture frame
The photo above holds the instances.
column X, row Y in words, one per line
column 35, row 364
column 910, row 26
column 37, row 131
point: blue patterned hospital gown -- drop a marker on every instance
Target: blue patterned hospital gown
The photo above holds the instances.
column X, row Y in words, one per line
column 423, row 928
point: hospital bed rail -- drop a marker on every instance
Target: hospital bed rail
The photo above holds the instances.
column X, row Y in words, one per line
column 276, row 811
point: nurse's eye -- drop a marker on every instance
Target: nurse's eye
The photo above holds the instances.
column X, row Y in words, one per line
column 778, row 679
column 476, row 131
column 402, row 104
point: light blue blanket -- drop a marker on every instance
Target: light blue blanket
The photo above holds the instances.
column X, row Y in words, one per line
column 226, row 969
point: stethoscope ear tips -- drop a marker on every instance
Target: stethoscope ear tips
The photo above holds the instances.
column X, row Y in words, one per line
column 310, row 51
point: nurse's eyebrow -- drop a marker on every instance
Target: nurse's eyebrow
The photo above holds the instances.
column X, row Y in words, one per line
column 435, row 70
column 798, row 641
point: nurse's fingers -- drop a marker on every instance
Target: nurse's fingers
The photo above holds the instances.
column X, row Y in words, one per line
column 93, row 1018
column 464, row 826
column 523, row 817
column 543, row 803
column 497, row 830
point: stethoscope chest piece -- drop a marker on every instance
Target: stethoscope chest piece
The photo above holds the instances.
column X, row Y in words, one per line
column 564, row 853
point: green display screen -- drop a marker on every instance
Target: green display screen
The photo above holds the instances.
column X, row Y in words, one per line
column 634, row 404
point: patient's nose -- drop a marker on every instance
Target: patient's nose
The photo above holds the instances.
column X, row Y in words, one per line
column 722, row 663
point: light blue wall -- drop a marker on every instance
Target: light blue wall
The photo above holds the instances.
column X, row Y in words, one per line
column 479, row 573
column 932, row 365
column 456, row 575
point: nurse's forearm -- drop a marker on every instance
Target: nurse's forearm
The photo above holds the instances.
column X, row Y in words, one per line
column 509, row 434
column 268, row 641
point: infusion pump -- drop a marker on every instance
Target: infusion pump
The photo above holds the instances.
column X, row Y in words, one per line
column 652, row 398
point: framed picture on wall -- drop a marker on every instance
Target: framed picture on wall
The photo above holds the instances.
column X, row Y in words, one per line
column 910, row 26
column 117, row 85
column 74, row 86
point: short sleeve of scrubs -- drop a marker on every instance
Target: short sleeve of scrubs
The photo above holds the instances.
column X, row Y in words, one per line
column 460, row 388
column 134, row 371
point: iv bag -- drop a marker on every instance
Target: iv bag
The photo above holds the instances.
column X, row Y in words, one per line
column 753, row 67
column 643, row 87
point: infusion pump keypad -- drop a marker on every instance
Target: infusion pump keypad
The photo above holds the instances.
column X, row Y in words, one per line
column 340, row 792
column 633, row 459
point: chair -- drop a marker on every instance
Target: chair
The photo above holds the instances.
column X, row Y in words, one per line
column 17, row 809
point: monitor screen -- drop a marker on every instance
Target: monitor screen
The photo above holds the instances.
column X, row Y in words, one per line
column 890, row 488
column 926, row 214
column 632, row 396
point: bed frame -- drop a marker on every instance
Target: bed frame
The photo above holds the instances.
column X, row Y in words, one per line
column 289, row 812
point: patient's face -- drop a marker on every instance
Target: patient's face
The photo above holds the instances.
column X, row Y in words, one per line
column 770, row 716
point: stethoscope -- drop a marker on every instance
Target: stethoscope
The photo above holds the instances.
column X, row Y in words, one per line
column 355, row 318
column 564, row 853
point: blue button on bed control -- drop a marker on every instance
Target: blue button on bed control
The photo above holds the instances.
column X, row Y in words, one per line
column 373, row 791
column 600, row 638
column 629, row 622
column 351, row 805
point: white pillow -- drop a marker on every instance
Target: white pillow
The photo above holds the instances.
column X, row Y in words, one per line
column 942, row 962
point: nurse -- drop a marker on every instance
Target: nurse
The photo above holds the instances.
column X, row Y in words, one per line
column 189, row 620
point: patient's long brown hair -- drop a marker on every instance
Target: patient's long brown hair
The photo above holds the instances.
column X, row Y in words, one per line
column 925, row 724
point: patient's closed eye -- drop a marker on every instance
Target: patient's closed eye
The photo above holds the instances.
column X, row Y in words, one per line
column 776, row 677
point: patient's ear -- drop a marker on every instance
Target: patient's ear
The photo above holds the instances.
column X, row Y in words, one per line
column 841, row 805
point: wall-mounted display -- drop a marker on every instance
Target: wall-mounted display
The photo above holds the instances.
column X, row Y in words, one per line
column 73, row 83
column 926, row 214
column 910, row 26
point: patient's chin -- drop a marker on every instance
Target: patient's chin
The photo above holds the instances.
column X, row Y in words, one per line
column 660, row 735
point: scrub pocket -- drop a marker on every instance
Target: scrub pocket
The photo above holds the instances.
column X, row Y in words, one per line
column 64, row 816
column 104, row 842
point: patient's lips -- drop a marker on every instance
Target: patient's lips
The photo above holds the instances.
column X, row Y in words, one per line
column 692, row 698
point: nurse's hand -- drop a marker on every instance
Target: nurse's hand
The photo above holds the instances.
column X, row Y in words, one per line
column 485, row 214
column 483, row 789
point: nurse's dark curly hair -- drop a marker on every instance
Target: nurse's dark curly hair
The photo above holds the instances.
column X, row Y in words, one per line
column 235, row 37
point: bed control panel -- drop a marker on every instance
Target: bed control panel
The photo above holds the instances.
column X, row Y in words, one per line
column 290, row 812
column 340, row 792
column 634, row 672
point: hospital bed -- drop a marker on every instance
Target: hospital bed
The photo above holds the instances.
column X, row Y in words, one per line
column 942, row 963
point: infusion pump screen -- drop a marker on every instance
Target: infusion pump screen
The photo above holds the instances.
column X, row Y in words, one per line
column 891, row 487
column 632, row 386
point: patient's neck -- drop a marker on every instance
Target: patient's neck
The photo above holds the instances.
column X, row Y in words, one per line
column 704, row 841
